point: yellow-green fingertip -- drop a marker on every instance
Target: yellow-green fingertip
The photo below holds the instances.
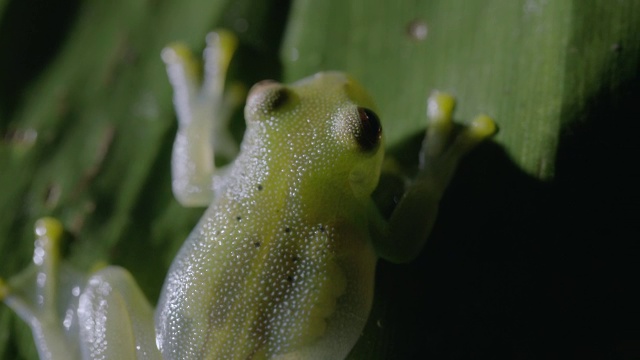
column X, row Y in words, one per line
column 440, row 106
column 179, row 53
column 483, row 126
column 227, row 41
column 49, row 227
column 175, row 52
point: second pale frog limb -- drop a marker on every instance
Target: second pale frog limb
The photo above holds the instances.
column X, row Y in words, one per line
column 72, row 316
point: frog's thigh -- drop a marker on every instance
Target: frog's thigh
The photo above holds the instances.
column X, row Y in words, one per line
column 116, row 320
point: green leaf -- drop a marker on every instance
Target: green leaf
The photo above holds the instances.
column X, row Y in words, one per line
column 86, row 120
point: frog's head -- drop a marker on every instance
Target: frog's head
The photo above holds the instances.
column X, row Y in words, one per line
column 325, row 126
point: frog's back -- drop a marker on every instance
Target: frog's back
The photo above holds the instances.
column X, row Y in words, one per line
column 262, row 282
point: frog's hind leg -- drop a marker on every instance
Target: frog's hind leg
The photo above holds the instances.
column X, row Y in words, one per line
column 33, row 293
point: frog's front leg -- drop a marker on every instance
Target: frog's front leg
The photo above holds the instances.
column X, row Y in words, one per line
column 203, row 109
column 403, row 236
column 104, row 316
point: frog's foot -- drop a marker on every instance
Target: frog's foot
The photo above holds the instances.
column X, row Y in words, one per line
column 33, row 293
column 444, row 146
column 200, row 98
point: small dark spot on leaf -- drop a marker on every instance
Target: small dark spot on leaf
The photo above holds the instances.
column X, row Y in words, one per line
column 259, row 187
column 616, row 47
column 287, row 230
column 295, row 259
column 290, row 278
column 417, row 30
column 238, row 217
column 256, row 244
column 321, row 227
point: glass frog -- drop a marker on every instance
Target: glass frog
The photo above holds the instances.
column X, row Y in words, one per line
column 281, row 265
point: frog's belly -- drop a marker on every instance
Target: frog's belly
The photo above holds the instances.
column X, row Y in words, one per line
column 280, row 292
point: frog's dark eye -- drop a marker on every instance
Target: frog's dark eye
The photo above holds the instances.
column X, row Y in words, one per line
column 267, row 96
column 369, row 131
